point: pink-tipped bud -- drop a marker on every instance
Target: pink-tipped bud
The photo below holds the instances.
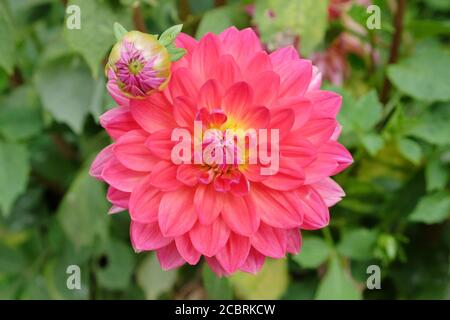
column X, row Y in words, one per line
column 139, row 64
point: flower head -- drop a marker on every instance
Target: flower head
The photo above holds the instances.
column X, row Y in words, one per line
column 139, row 64
column 185, row 199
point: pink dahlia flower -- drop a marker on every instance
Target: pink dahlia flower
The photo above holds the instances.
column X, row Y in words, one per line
column 232, row 215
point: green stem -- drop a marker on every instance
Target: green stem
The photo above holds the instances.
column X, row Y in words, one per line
column 328, row 237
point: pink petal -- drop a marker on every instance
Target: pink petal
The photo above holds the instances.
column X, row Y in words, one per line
column 315, row 211
column 120, row 177
column 116, row 94
column 209, row 239
column 326, row 104
column 118, row 198
column 118, row 121
column 210, row 96
column 317, row 131
column 294, row 240
column 259, row 63
column 240, row 215
column 164, row 176
column 241, row 188
column 160, row 144
column 322, row 167
column 184, row 111
column 115, row 209
column 216, row 267
column 283, row 120
column 238, row 100
column 316, row 80
column 153, row 113
column 265, row 86
column 176, row 213
column 242, row 45
column 301, row 106
column 185, row 41
column 284, row 54
column 102, row 158
column 294, row 147
column 256, row 118
column 208, row 203
column 295, row 76
column 339, row 153
column 189, row 174
column 187, row 250
column 329, row 190
column 169, row 257
column 226, row 71
column 147, row 236
column 271, row 242
column 289, row 176
column 131, row 151
column 183, row 83
column 254, row 262
column 279, row 209
column 234, row 254
column 205, row 54
column 144, row 202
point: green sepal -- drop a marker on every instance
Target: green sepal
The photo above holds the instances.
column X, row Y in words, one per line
column 168, row 36
column 119, row 31
column 175, row 53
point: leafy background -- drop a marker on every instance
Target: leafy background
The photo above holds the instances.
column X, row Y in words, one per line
column 396, row 117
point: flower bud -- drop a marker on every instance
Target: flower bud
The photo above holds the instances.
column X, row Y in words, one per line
column 139, row 64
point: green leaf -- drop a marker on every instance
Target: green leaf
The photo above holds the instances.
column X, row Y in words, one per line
column 361, row 115
column 358, row 244
column 20, row 115
column 83, row 211
column 433, row 208
column 373, row 142
column 96, row 35
column 168, row 36
column 13, row 174
column 314, row 252
column 307, row 19
column 152, row 279
column 56, row 279
column 216, row 288
column 410, row 149
column 269, row 283
column 219, row 19
column 337, row 283
column 119, row 31
column 8, row 45
column 12, row 260
column 119, row 266
column 436, row 175
column 424, row 76
column 432, row 126
column 66, row 90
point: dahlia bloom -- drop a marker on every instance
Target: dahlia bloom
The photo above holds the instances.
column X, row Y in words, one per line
column 232, row 215
column 139, row 64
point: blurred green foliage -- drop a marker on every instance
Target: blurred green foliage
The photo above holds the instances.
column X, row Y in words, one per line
column 395, row 214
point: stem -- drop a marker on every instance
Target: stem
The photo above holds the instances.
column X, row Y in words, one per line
column 66, row 149
column 219, row 3
column 138, row 19
column 185, row 10
column 328, row 237
column 395, row 47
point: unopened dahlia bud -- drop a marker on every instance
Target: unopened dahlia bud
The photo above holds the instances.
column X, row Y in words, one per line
column 140, row 62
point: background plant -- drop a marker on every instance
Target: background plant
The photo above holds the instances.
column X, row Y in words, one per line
column 396, row 118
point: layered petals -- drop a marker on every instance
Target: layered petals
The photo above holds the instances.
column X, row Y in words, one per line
column 234, row 204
